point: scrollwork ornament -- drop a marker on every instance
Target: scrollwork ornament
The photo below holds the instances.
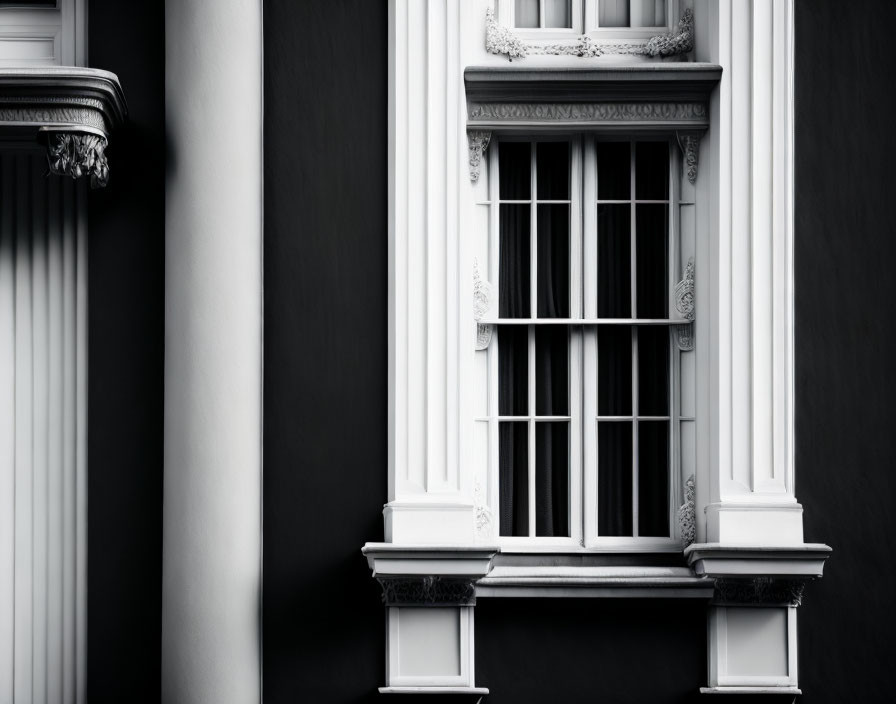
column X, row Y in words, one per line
column 478, row 142
column 686, row 307
column 482, row 296
column 687, row 513
column 429, row 590
column 689, row 146
column 78, row 155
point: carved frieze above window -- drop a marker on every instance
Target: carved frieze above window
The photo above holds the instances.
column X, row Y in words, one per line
column 71, row 109
column 759, row 591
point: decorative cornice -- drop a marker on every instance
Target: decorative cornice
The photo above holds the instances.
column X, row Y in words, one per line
column 758, row 591
column 502, row 41
column 482, row 298
column 687, row 513
column 429, row 590
column 72, row 109
column 686, row 307
column 689, row 143
column 478, row 142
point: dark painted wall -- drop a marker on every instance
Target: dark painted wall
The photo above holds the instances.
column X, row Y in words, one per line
column 325, row 380
column 126, row 338
column 846, row 345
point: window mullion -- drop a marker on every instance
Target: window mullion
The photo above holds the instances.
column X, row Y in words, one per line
column 531, row 437
column 633, row 239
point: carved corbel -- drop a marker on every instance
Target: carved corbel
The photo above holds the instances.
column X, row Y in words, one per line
column 428, row 590
column 685, row 305
column 77, row 153
column 478, row 141
column 758, row 591
column 482, row 299
column 689, row 143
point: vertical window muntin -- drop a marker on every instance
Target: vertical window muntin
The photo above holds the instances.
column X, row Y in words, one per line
column 582, row 326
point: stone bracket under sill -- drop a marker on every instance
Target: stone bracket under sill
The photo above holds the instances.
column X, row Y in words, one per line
column 70, row 109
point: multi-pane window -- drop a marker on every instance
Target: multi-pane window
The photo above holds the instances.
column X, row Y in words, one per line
column 597, row 14
column 581, row 382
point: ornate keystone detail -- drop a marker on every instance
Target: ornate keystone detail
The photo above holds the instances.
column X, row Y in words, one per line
column 758, row 591
column 482, row 296
column 502, row 41
column 689, row 144
column 428, row 591
column 687, row 513
column 478, row 141
column 685, row 305
column 77, row 155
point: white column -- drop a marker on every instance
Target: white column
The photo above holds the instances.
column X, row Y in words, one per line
column 430, row 487
column 749, row 296
column 213, row 336
column 43, row 432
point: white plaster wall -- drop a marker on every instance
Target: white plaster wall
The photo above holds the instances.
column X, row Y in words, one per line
column 213, row 336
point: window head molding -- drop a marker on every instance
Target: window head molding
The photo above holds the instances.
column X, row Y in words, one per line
column 71, row 110
column 666, row 97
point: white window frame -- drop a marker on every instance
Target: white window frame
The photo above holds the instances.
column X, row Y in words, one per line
column 583, row 480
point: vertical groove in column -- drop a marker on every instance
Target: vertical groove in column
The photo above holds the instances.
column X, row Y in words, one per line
column 24, row 629
column 80, row 498
column 7, row 430
column 40, row 477
column 55, row 218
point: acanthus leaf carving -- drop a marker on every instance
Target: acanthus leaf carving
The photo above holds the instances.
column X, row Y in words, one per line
column 482, row 298
column 587, row 112
column 478, row 142
column 77, row 155
column 686, row 307
column 758, row 591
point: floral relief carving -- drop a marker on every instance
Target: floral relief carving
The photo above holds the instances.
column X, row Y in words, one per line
column 759, row 591
column 689, row 146
column 78, row 155
column 687, row 513
column 478, row 142
column 482, row 297
column 502, row 41
column 483, row 512
column 685, row 305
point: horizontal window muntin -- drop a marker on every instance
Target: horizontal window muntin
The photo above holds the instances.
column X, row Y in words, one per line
column 577, row 438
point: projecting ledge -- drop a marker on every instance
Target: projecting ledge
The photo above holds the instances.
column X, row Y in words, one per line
column 70, row 109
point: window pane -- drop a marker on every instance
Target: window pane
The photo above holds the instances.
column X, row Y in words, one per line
column 514, row 165
column 613, row 170
column 552, row 479
column 653, row 371
column 553, row 261
column 513, row 370
column 551, row 370
column 552, row 165
column 614, row 256
column 653, row 478
column 514, row 292
column 648, row 13
column 526, row 13
column 614, row 478
column 557, row 13
column 652, row 260
column 614, row 370
column 652, row 171
column 613, row 13
column 514, row 478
